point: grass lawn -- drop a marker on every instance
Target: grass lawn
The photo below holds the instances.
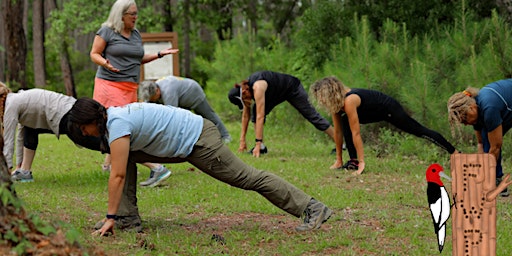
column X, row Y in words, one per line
column 382, row 212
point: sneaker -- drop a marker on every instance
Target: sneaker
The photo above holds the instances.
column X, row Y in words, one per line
column 124, row 223
column 262, row 150
column 156, row 178
column 352, row 164
column 22, row 176
column 315, row 214
column 503, row 193
column 227, row 139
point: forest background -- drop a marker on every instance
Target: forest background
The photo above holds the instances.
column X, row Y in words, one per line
column 419, row 52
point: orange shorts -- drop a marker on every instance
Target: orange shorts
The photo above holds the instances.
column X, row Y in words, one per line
column 110, row 93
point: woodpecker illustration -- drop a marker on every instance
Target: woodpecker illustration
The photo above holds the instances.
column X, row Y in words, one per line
column 439, row 201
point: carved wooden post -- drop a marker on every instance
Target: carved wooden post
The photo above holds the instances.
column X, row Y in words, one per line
column 474, row 211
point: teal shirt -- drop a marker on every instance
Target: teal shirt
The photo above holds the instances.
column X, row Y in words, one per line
column 158, row 130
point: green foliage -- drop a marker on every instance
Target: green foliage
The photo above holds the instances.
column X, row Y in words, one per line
column 8, row 198
column 322, row 26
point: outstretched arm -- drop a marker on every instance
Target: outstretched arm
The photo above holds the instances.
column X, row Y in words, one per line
column 119, row 151
column 352, row 102
column 338, row 140
column 259, row 89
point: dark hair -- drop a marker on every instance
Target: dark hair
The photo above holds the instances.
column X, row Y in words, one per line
column 234, row 97
column 87, row 111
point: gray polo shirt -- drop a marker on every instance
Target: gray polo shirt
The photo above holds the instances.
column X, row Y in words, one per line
column 123, row 53
column 180, row 92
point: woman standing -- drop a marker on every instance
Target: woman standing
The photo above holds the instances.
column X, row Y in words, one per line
column 351, row 107
column 489, row 111
column 118, row 51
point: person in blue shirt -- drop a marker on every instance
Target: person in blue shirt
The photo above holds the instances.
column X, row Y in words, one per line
column 489, row 111
column 158, row 133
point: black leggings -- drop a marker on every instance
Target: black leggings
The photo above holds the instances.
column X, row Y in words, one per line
column 31, row 136
column 395, row 115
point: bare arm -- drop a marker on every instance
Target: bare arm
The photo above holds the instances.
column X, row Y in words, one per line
column 98, row 46
column 259, row 89
column 153, row 56
column 119, row 151
column 496, row 140
column 246, row 115
column 338, row 140
column 352, row 102
column 480, row 145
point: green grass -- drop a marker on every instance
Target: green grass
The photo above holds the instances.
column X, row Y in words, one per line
column 382, row 212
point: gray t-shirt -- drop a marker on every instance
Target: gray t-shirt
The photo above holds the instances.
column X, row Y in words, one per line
column 123, row 53
column 180, row 92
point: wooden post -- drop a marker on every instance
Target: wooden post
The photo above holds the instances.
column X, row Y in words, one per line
column 474, row 193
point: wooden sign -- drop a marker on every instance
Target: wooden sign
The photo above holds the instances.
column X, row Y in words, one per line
column 474, row 193
column 168, row 65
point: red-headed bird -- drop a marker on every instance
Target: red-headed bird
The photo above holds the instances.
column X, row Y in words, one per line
column 439, row 201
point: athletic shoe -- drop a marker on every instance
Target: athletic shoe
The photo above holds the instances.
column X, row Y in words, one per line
column 124, row 223
column 227, row 139
column 22, row 176
column 503, row 193
column 156, row 178
column 352, row 164
column 315, row 214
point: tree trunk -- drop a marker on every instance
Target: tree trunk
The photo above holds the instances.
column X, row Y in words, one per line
column 67, row 71
column 186, row 38
column 38, row 43
column 3, row 5
column 16, row 44
column 65, row 64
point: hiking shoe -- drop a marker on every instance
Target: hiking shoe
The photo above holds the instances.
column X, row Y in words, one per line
column 352, row 164
column 262, row 150
column 21, row 176
column 503, row 193
column 227, row 139
column 156, row 178
column 315, row 214
column 124, row 223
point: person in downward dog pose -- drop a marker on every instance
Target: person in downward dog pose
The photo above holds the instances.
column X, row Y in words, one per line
column 489, row 111
column 178, row 135
column 351, row 107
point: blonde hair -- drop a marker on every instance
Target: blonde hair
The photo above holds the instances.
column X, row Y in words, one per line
column 329, row 92
column 115, row 18
column 458, row 106
column 4, row 90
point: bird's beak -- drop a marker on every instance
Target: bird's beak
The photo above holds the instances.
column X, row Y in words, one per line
column 444, row 175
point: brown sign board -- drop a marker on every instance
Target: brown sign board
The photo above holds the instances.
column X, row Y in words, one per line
column 168, row 65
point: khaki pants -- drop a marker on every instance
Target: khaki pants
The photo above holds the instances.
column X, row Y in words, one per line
column 214, row 158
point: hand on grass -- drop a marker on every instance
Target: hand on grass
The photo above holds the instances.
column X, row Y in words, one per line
column 256, row 150
column 242, row 147
column 108, row 227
